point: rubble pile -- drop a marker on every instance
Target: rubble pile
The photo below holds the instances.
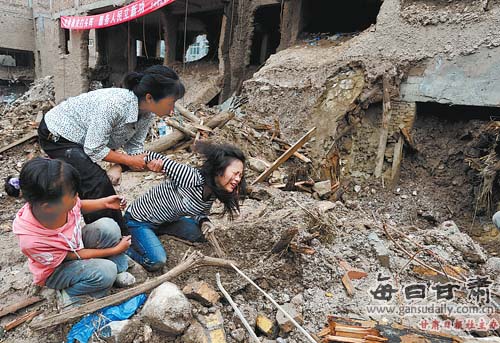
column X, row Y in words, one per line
column 23, row 115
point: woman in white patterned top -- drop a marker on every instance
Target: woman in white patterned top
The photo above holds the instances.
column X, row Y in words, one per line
column 90, row 127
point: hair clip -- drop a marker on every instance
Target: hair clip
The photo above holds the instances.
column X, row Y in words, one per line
column 14, row 182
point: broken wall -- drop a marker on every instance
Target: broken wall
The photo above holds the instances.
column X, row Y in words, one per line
column 16, row 25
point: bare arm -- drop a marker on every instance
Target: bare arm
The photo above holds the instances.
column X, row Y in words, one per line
column 135, row 162
column 113, row 202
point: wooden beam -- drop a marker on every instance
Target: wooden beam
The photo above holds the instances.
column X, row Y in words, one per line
column 21, row 319
column 187, row 113
column 285, row 156
column 175, row 137
column 182, row 128
column 19, row 141
column 396, row 161
column 19, row 305
column 384, row 130
column 194, row 260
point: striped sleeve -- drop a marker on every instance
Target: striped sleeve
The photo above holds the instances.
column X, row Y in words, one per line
column 183, row 175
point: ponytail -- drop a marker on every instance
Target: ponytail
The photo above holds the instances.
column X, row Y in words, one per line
column 159, row 81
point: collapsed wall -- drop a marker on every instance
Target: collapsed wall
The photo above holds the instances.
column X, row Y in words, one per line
column 357, row 89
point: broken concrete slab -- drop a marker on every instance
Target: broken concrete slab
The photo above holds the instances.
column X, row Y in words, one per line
column 323, row 188
column 202, row 292
column 380, row 249
column 470, row 250
column 167, row 309
column 286, row 324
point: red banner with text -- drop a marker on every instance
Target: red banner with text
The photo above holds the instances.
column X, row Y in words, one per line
column 121, row 15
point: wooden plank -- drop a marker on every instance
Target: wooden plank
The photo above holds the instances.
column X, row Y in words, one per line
column 346, row 281
column 386, row 117
column 19, row 141
column 21, row 319
column 5, row 310
column 331, row 338
column 396, row 161
column 285, row 156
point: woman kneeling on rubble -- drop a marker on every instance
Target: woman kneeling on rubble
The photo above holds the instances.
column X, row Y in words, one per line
column 179, row 206
column 90, row 127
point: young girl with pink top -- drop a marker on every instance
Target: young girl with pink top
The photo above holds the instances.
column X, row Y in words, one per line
column 63, row 254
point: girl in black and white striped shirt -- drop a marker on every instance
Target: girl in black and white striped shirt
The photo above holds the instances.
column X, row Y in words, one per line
column 181, row 204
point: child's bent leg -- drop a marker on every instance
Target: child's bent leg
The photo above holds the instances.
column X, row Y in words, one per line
column 146, row 248
column 185, row 228
column 105, row 233
column 80, row 277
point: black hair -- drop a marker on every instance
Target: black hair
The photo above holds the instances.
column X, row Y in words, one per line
column 158, row 80
column 46, row 180
column 12, row 186
column 217, row 158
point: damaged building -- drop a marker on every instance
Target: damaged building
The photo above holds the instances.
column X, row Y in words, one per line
column 371, row 130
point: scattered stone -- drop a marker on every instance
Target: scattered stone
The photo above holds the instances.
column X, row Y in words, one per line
column 257, row 164
column 323, row 188
column 286, row 324
column 380, row 249
column 239, row 334
column 414, row 193
column 202, row 292
column 123, row 331
column 249, row 313
column 167, row 309
column 357, row 188
column 265, row 325
column 209, row 329
column 195, row 333
column 470, row 250
column 325, row 206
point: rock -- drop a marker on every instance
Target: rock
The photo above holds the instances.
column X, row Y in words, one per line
column 122, row 331
column 195, row 333
column 209, row 329
column 202, row 292
column 239, row 334
column 259, row 193
column 357, row 188
column 286, row 324
column 167, row 309
column 492, row 268
column 265, row 325
column 380, row 249
column 325, row 206
column 257, row 164
column 323, row 188
column 249, row 313
column 298, row 300
column 470, row 250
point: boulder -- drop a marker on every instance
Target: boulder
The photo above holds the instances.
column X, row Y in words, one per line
column 167, row 309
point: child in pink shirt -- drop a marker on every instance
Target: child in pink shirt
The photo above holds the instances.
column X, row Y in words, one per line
column 61, row 253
